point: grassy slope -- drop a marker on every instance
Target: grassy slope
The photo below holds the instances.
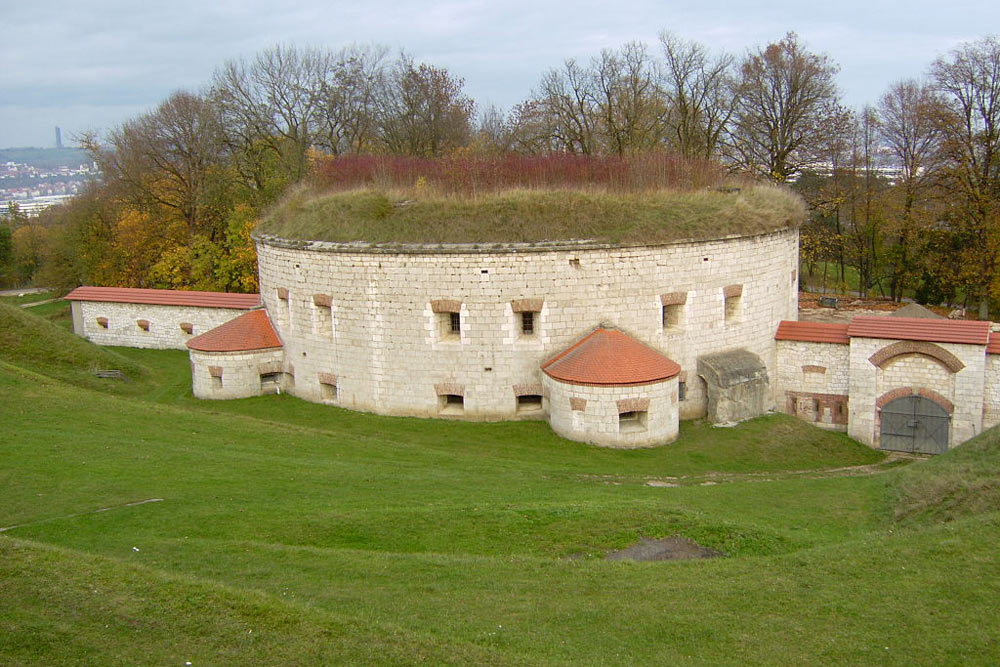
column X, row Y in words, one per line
column 333, row 532
column 531, row 216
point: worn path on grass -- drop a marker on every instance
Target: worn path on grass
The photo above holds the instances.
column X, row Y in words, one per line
column 891, row 461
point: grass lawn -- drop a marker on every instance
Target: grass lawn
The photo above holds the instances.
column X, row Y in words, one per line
column 278, row 531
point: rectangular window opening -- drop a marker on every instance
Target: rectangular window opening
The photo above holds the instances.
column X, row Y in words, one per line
column 528, row 323
column 529, row 403
column 672, row 316
column 216, row 382
column 270, row 383
column 451, row 404
column 632, row 421
column 328, row 391
column 733, row 309
column 682, row 390
column 455, row 323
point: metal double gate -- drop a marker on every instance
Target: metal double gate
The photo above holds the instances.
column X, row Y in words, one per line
column 915, row 424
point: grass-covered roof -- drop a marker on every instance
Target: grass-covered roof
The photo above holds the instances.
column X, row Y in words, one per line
column 531, row 215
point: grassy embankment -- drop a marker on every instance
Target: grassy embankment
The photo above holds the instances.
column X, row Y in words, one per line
column 531, row 216
column 299, row 533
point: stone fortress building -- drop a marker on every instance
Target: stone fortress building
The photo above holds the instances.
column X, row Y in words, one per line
column 611, row 341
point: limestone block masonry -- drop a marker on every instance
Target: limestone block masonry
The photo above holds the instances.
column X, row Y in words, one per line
column 146, row 325
column 224, row 375
column 394, row 324
column 592, row 414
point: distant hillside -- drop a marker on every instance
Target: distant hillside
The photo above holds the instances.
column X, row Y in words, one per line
column 45, row 158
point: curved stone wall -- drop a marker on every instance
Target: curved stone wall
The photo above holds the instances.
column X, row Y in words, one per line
column 461, row 330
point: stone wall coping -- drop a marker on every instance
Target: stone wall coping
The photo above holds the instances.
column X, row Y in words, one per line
column 483, row 248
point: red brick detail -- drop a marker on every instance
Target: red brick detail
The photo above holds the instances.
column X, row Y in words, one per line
column 283, row 293
column 215, row 371
column 187, row 327
column 578, row 404
column 932, row 395
column 102, row 322
column 809, row 368
column 327, row 378
column 446, row 306
column 730, row 291
column 835, row 403
column 674, row 298
column 889, row 352
column 444, row 388
column 527, row 390
column 633, row 405
column 929, row 394
column 322, row 300
column 142, row 324
column 164, row 297
column 527, row 305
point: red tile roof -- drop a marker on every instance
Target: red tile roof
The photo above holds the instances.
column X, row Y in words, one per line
column 165, row 297
column 813, row 332
column 993, row 347
column 607, row 357
column 914, row 328
column 252, row 331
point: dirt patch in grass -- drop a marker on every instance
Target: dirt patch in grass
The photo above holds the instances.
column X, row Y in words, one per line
column 667, row 548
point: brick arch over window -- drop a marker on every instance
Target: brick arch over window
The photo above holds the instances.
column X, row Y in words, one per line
column 890, row 352
column 930, row 395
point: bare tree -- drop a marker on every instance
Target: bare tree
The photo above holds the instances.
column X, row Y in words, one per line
column 969, row 80
column 699, row 98
column 273, row 104
column 423, row 110
column 785, row 98
column 567, row 104
column 629, row 106
column 348, row 118
column 909, row 113
column 165, row 157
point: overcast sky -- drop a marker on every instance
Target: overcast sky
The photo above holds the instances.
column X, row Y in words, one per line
column 93, row 65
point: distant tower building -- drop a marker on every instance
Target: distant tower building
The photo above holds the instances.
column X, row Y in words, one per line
column 58, row 137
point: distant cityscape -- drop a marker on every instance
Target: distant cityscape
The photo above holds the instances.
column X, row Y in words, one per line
column 36, row 178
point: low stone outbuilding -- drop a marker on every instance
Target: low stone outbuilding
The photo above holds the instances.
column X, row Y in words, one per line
column 609, row 389
column 901, row 383
column 737, row 386
column 152, row 318
column 241, row 358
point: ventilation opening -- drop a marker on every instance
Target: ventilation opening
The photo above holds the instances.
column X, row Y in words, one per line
column 187, row 328
column 452, row 404
column 142, row 324
column 529, row 403
column 632, row 421
column 102, row 322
